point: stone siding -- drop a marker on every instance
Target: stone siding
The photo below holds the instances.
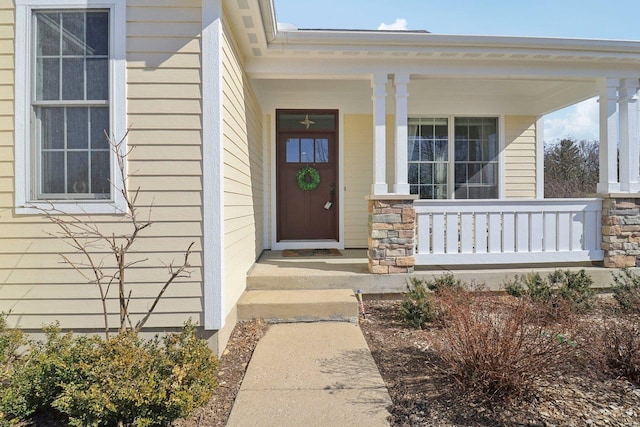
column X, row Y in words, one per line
column 392, row 229
column 621, row 230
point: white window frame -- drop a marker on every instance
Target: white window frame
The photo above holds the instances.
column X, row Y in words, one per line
column 25, row 200
column 451, row 151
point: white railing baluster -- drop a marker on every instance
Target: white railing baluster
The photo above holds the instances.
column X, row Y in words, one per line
column 508, row 231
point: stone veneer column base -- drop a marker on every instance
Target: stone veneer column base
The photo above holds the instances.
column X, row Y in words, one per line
column 392, row 229
column 621, row 229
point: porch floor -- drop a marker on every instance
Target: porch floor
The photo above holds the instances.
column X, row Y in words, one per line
column 349, row 271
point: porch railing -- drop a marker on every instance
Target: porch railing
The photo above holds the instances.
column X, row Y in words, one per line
column 508, row 231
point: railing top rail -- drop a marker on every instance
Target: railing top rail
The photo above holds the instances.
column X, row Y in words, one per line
column 508, row 205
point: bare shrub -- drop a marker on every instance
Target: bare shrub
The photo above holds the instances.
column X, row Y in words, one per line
column 616, row 348
column 494, row 351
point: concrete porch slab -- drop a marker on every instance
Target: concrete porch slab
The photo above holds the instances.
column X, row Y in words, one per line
column 272, row 271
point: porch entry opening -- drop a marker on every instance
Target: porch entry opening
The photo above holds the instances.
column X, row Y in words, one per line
column 307, row 175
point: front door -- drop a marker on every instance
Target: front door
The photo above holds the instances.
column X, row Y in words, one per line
column 307, row 175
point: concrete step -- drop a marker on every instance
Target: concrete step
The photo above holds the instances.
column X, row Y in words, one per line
column 299, row 305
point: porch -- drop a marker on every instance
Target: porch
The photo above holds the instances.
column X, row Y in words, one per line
column 273, row 271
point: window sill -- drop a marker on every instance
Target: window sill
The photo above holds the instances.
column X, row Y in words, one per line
column 75, row 207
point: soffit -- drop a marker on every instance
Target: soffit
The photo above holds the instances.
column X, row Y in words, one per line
column 254, row 22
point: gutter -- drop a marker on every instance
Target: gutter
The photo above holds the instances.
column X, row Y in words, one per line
column 375, row 40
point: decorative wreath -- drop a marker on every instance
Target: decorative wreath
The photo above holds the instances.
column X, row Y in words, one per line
column 308, row 178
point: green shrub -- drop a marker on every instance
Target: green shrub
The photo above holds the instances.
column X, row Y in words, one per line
column 626, row 290
column 445, row 282
column 38, row 380
column 122, row 380
column 418, row 307
column 574, row 288
column 165, row 380
column 10, row 342
column 531, row 285
column 562, row 287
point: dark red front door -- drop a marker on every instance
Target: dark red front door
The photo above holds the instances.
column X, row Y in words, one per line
column 311, row 146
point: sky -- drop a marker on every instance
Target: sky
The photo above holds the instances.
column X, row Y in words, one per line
column 590, row 19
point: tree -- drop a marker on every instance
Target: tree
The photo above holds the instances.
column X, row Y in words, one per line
column 571, row 168
column 85, row 235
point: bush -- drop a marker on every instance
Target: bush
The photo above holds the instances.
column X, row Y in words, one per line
column 620, row 349
column 38, row 380
column 531, row 285
column 562, row 287
column 626, row 290
column 494, row 352
column 446, row 282
column 123, row 380
column 574, row 288
column 10, row 342
column 418, row 307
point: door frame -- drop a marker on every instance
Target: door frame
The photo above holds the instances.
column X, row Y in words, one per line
column 271, row 165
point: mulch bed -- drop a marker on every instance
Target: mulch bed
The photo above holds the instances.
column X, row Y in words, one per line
column 423, row 396
column 232, row 366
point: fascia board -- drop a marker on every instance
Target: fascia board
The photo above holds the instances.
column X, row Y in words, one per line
column 407, row 41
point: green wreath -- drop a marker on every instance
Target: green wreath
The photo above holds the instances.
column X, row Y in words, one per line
column 308, row 178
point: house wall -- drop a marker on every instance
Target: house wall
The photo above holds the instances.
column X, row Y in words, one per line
column 243, row 173
column 163, row 90
column 520, row 156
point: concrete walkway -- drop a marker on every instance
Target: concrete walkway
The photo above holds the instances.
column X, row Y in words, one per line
column 311, row 374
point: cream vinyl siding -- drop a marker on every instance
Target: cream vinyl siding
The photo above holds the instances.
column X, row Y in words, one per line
column 520, row 156
column 358, row 176
column 163, row 102
column 243, row 173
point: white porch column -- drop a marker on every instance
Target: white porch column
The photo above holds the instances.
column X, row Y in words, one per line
column 608, row 182
column 379, row 85
column 629, row 153
column 401, row 183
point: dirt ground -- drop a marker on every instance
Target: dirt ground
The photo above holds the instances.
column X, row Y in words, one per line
column 232, row 366
column 423, row 396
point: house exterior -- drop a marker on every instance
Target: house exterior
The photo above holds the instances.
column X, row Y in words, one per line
column 225, row 111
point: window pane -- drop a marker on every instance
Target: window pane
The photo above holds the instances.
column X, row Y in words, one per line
column 73, row 33
column 440, row 173
column 441, row 153
column 426, row 150
column 293, row 150
column 322, row 150
column 306, row 155
column 48, row 79
column 426, row 173
column 78, row 172
column 100, row 172
column 72, row 78
column 77, row 128
column 52, row 128
column 98, row 78
column 53, row 172
column 48, row 38
column 99, row 125
column 476, row 168
column 426, row 192
column 74, row 151
column 414, row 150
column 303, row 121
column 413, row 173
column 462, row 149
column 97, row 33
